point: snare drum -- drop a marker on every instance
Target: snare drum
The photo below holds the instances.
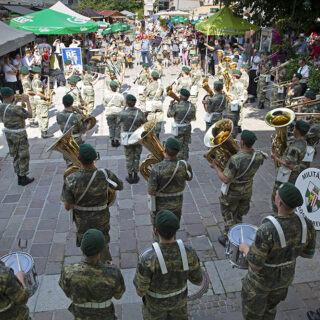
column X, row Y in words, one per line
column 27, row 266
column 235, row 257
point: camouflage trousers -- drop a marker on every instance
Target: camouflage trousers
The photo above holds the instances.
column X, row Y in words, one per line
column 17, row 312
column 233, row 208
column 175, row 314
column 214, row 119
column 19, row 149
column 133, row 154
column 43, row 115
column 90, row 104
column 158, row 116
column 34, row 111
column 90, row 314
column 261, row 95
column 185, row 140
column 234, row 117
column 114, row 127
column 258, row 304
column 275, row 96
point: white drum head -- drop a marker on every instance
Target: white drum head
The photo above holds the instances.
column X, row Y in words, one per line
column 26, row 261
column 249, row 233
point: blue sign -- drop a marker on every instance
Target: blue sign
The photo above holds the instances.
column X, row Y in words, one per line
column 73, row 54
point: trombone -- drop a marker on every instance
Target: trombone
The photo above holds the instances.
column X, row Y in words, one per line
column 271, row 70
column 300, row 104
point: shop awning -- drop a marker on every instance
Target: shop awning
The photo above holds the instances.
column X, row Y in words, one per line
column 18, row 9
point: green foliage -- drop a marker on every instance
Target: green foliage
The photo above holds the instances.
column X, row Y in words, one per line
column 140, row 13
column 118, row 5
column 314, row 78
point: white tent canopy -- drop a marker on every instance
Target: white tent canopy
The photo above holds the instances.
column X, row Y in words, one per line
column 62, row 8
column 172, row 13
column 127, row 13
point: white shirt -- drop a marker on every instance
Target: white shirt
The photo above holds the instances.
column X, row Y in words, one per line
column 88, row 44
column 15, row 63
column 59, row 46
column 304, row 72
column 9, row 77
column 28, row 62
column 254, row 61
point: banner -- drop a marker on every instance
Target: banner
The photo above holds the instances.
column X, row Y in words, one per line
column 73, row 54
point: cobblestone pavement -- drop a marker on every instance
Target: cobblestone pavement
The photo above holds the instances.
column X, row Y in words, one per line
column 35, row 213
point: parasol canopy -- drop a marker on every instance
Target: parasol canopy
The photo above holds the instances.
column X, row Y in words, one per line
column 116, row 27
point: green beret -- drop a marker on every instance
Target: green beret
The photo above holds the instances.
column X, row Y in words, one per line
column 112, row 71
column 167, row 221
column 24, row 70
column 6, row 92
column 302, row 126
column 244, row 66
column 248, row 136
column 195, row 62
column 290, row 195
column 155, row 74
column 36, row 69
column 131, row 97
column 317, row 107
column 218, row 83
column 68, row 62
column 160, row 60
column 298, row 75
column 86, row 67
column 185, row 93
column 68, row 99
column 93, row 242
column 87, row 152
column 186, row 69
column 73, row 79
column 113, row 53
column 113, row 84
column 237, row 72
column 310, row 93
column 173, row 143
column 145, row 65
column 235, row 60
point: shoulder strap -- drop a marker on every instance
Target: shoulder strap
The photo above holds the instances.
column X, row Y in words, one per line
column 66, row 125
column 304, row 228
column 159, row 255
column 186, row 113
column 111, row 99
column 172, row 176
column 5, row 111
column 88, row 186
column 245, row 171
column 279, row 230
column 134, row 120
column 185, row 163
column 183, row 253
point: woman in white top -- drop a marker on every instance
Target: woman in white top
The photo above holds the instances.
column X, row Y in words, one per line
column 37, row 58
column 10, row 74
column 137, row 50
column 75, row 43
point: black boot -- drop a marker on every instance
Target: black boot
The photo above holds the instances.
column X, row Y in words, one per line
column 261, row 106
column 129, row 178
column 19, row 180
column 117, row 143
column 135, row 177
column 24, row 180
column 46, row 135
column 34, row 125
column 113, row 143
column 222, row 240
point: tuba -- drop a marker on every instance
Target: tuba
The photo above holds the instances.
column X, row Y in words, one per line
column 70, row 149
column 205, row 86
column 220, row 54
column 145, row 135
column 280, row 119
column 221, row 143
column 85, row 117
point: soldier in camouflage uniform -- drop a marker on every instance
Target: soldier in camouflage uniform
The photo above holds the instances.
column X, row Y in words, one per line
column 86, row 193
column 40, row 103
column 244, row 77
column 144, row 79
column 68, row 72
column 292, row 157
column 76, row 93
column 313, row 135
column 238, row 175
column 196, row 76
column 13, row 118
column 163, row 271
column 158, row 67
column 153, row 96
column 215, row 106
column 168, row 179
column 114, row 103
column 185, row 81
column 69, row 118
column 88, row 88
column 14, row 296
column 261, row 92
column 131, row 119
column 27, row 89
column 278, row 93
column 118, row 66
column 91, row 284
column 272, row 261
column 111, row 76
column 183, row 113
column 295, row 90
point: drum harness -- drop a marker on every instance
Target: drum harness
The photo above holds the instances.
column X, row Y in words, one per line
column 209, row 116
column 7, row 129
column 282, row 238
column 164, row 269
column 7, row 307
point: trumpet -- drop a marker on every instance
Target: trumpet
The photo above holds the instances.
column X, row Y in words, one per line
column 286, row 84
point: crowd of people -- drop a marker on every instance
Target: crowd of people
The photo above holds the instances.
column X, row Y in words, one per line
column 239, row 71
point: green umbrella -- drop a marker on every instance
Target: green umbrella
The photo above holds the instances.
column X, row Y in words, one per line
column 103, row 24
column 196, row 21
column 53, row 22
column 177, row 19
column 116, row 27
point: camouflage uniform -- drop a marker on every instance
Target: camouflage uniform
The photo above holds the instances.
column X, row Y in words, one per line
column 40, row 105
column 27, row 86
column 88, row 92
column 77, row 97
column 184, row 82
column 236, row 203
column 261, row 93
column 245, row 80
column 17, row 141
column 158, row 69
column 132, row 152
column 154, row 92
column 85, row 282
column 294, row 154
column 75, row 121
column 143, row 80
column 196, row 76
column 114, row 103
column 179, row 113
column 68, row 72
column 275, row 95
column 117, row 66
column 108, row 80
column 215, row 108
column 263, row 290
column 12, row 292
column 161, row 173
column 96, row 196
column 149, row 278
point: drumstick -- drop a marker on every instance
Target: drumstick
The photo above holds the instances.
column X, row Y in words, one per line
column 18, row 261
column 242, row 240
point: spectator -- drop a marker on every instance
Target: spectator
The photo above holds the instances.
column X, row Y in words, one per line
column 88, row 45
column 10, row 74
column 58, row 51
column 202, row 50
column 145, row 50
column 304, row 71
column 186, row 47
column 75, row 43
column 315, row 48
column 137, row 50
column 46, row 45
column 28, row 60
column 45, row 60
column 316, row 60
column 301, row 45
column 175, row 48
column 17, row 63
column 37, row 58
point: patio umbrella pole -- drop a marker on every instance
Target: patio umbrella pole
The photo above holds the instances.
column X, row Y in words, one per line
column 206, row 66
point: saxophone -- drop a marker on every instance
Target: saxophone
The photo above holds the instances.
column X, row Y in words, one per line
column 226, row 75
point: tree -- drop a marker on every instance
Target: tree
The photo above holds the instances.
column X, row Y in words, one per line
column 118, row 5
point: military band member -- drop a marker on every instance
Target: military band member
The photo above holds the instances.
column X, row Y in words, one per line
column 196, row 76
column 86, row 193
column 237, row 178
column 272, row 257
column 68, row 72
column 14, row 296
column 183, row 113
column 163, row 271
column 290, row 163
column 88, row 88
column 76, row 93
column 131, row 119
column 278, row 93
column 262, row 83
column 118, row 67
column 313, row 135
column 13, row 118
column 153, row 95
column 40, row 103
column 309, row 95
column 185, row 81
column 144, row 79
column 158, row 67
column 295, row 90
column 114, row 103
column 91, row 284
column 27, row 89
column 244, row 76
column 216, row 105
column 111, row 76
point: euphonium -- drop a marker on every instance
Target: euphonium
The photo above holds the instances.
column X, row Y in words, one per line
column 233, row 65
column 205, row 86
column 221, row 143
column 220, row 54
column 279, row 119
column 145, row 135
column 85, row 117
column 70, row 149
